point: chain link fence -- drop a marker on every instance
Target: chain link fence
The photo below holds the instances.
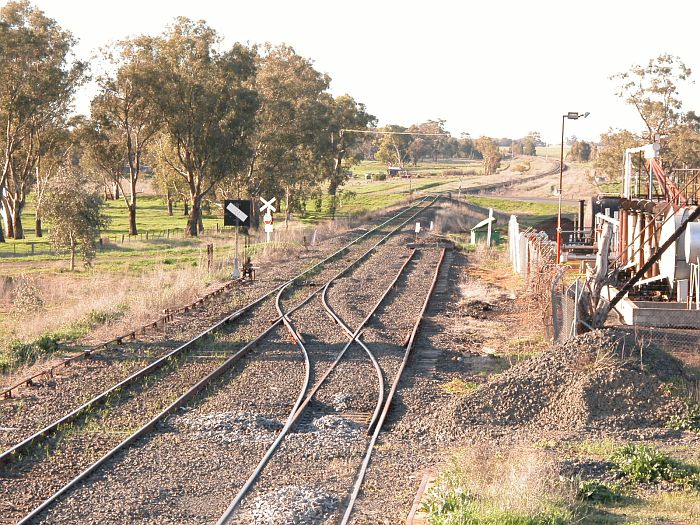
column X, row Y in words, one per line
column 564, row 306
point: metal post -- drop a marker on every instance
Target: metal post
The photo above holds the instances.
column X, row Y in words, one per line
column 561, row 178
column 236, row 269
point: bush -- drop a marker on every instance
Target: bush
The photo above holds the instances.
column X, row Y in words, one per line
column 689, row 421
column 594, row 491
column 27, row 297
column 379, row 176
column 645, row 464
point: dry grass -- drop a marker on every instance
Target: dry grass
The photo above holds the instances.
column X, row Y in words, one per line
column 516, row 482
column 70, row 298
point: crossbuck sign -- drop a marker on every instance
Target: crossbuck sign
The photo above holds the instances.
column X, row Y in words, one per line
column 267, row 205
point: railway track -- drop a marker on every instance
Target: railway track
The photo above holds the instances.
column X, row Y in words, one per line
column 162, row 387
column 330, row 441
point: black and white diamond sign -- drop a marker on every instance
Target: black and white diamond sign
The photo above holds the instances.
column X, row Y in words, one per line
column 237, row 213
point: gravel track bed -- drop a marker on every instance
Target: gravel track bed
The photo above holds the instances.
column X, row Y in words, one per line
column 407, row 446
column 253, row 409
column 324, row 453
column 257, row 422
column 189, row 470
column 27, row 484
column 47, row 400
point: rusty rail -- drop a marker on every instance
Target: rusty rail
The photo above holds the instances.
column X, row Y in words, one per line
column 378, row 428
column 224, row 367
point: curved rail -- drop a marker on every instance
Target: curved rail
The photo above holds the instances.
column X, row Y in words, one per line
column 159, row 363
column 225, row 366
column 387, row 404
column 296, row 414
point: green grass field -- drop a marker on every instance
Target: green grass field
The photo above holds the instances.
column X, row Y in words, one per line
column 121, row 253
column 528, row 213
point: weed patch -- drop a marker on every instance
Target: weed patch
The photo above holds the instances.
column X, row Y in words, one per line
column 639, row 463
column 459, row 387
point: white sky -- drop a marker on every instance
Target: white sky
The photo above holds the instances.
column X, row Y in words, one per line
column 489, row 68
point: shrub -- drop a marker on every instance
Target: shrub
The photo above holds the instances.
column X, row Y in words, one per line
column 379, row 176
column 688, row 421
column 644, row 464
column 27, row 297
column 594, row 491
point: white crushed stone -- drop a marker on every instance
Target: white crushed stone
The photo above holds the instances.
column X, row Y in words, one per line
column 293, row 505
column 228, row 427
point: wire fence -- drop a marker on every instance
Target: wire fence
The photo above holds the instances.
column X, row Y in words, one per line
column 564, row 305
column 27, row 248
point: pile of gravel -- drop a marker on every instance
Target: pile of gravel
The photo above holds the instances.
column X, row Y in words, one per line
column 331, row 432
column 582, row 384
column 340, row 401
column 228, row 427
column 293, row 505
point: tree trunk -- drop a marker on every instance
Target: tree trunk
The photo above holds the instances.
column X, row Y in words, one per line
column 37, row 226
column 187, row 209
column 194, row 218
column 116, row 191
column 10, row 227
column 72, row 255
column 132, row 205
column 2, row 233
column 132, row 220
column 169, row 198
column 287, row 211
column 17, row 227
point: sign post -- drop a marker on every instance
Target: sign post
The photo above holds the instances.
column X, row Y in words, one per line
column 268, row 209
column 417, row 231
column 236, row 213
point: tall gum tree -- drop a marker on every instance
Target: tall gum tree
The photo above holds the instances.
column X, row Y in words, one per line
column 287, row 126
column 121, row 105
column 206, row 106
column 653, row 91
column 39, row 79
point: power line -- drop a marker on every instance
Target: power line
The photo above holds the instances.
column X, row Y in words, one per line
column 396, row 132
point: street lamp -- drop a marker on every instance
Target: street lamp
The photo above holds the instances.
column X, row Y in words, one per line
column 573, row 115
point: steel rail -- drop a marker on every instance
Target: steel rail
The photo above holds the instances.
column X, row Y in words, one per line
column 355, row 336
column 159, row 363
column 168, row 315
column 296, row 413
column 378, row 428
column 224, row 367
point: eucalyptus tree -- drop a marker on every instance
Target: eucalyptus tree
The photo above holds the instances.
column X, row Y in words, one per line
column 122, row 106
column 490, row 154
column 100, row 153
column 54, row 152
column 346, row 120
column 39, row 79
column 288, row 124
column 653, row 91
column 393, row 145
column 75, row 212
column 203, row 98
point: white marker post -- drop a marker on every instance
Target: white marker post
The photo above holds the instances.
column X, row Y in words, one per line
column 269, row 228
column 417, row 231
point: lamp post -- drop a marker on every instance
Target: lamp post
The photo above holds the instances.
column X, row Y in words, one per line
column 573, row 115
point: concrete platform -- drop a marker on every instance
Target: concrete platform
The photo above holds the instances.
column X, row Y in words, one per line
column 654, row 313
